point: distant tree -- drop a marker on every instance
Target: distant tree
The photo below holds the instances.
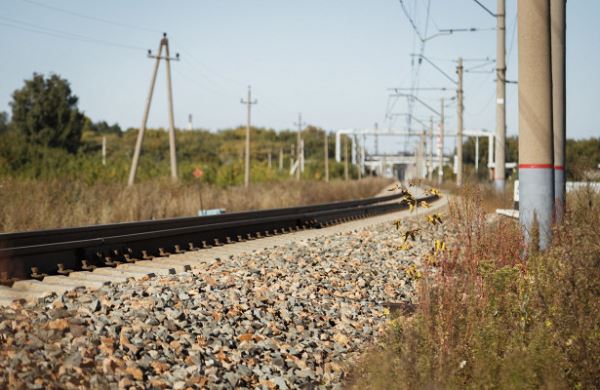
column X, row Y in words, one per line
column 103, row 127
column 3, row 122
column 45, row 112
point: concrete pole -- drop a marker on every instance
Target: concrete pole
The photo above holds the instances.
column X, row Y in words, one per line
column 491, row 163
column 281, row 159
column 269, row 159
column 338, row 152
column 248, row 103
column 420, row 156
column 476, row 154
column 354, row 149
column 299, row 145
column 140, row 137
column 326, row 155
column 358, row 159
column 499, row 171
column 441, row 163
column 302, row 156
column 292, row 154
column 172, row 150
column 536, row 151
column 558, row 36
column 376, row 146
column 430, row 159
column 459, row 133
column 346, row 174
column 103, row 150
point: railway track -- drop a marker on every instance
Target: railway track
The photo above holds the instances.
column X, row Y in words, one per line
column 94, row 255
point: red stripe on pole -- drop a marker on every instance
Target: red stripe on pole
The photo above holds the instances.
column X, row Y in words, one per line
column 559, row 167
column 536, row 166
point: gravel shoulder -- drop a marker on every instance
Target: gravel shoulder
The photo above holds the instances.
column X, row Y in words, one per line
column 291, row 315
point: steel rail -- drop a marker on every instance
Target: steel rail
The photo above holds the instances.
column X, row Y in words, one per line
column 108, row 245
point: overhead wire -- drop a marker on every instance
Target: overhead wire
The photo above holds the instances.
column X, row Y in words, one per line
column 89, row 17
column 25, row 26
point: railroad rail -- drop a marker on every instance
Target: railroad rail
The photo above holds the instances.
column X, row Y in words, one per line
column 37, row 254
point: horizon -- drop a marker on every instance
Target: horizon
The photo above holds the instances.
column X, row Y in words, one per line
column 333, row 62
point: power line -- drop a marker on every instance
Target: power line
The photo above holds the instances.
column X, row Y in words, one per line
column 94, row 18
column 21, row 25
column 486, row 9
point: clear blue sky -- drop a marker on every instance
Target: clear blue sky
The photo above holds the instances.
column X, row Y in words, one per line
column 331, row 60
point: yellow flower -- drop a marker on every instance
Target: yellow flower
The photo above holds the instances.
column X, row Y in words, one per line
column 405, row 246
column 434, row 219
column 439, row 246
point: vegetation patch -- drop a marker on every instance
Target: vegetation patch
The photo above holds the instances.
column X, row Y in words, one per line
column 492, row 315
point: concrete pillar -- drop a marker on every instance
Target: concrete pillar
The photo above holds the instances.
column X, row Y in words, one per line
column 536, row 152
column 441, row 163
column 459, row 133
column 477, row 154
column 338, row 151
column 558, row 35
column 499, row 172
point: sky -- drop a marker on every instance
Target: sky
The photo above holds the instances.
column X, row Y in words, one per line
column 331, row 60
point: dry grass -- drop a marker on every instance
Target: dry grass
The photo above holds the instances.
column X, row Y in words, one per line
column 492, row 316
column 28, row 204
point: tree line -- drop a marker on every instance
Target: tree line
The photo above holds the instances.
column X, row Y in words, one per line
column 47, row 136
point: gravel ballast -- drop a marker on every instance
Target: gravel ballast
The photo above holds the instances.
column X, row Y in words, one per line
column 289, row 317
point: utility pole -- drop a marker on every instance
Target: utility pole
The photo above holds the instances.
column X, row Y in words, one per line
column 164, row 42
column 104, row 150
column 420, row 155
column 459, row 133
column 558, row 36
column 346, row 175
column 499, row 171
column 280, row 159
column 441, row 162
column 269, row 159
column 376, row 139
column 326, row 151
column 476, row 154
column 358, row 157
column 300, row 125
column 249, row 103
column 536, row 141
column 171, row 115
column 430, row 159
column 292, row 154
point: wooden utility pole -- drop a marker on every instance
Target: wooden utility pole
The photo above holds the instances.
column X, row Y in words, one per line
column 171, row 115
column 459, row 133
column 249, row 103
column 299, row 157
column 326, row 156
column 536, row 140
column 558, row 39
column 164, row 42
column 499, row 171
